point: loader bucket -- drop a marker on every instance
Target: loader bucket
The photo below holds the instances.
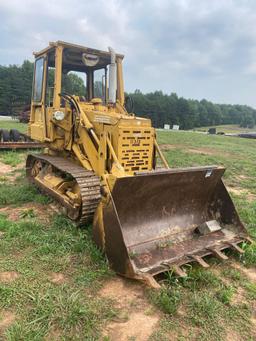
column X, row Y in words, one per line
column 158, row 221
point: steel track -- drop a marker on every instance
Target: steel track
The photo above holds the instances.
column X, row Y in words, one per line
column 87, row 181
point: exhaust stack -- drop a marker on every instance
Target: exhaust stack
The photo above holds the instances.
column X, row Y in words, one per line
column 112, row 77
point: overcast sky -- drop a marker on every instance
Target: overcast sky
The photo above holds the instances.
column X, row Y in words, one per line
column 196, row 48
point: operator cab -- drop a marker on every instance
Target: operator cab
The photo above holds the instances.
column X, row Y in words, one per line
column 88, row 68
column 94, row 76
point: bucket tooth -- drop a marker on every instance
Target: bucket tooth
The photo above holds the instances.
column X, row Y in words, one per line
column 236, row 247
column 200, row 260
column 248, row 239
column 218, row 254
column 178, row 271
column 150, row 281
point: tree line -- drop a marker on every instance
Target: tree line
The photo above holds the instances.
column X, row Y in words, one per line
column 16, row 88
column 189, row 113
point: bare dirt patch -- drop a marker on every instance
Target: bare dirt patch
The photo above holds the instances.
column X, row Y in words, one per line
column 251, row 197
column 236, row 190
column 21, row 165
column 6, row 319
column 57, row 278
column 166, row 147
column 139, row 327
column 249, row 272
column 239, row 297
column 39, row 210
column 202, row 151
column 231, row 335
column 123, row 291
column 8, row 276
column 138, row 318
column 53, row 335
column 243, row 177
column 241, row 191
column 4, row 169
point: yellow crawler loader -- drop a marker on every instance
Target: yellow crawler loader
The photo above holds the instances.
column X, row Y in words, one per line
column 100, row 165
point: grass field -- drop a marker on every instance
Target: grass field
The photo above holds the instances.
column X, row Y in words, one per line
column 228, row 128
column 13, row 124
column 56, row 285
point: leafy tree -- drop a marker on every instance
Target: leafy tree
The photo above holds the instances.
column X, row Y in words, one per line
column 16, row 88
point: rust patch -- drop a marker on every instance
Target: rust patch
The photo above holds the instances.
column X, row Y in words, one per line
column 8, row 276
column 6, row 319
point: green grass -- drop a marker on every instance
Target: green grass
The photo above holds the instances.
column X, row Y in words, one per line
column 13, row 124
column 40, row 304
column 205, row 302
column 205, row 298
column 168, row 300
column 203, row 306
column 11, row 158
column 19, row 193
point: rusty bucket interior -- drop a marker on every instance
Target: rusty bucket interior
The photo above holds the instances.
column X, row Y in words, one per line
column 160, row 220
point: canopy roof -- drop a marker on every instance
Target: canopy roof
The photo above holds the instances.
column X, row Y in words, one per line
column 75, row 56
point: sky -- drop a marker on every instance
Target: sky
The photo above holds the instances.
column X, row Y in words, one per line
column 196, row 48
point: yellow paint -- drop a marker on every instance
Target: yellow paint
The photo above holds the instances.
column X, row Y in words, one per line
column 102, row 137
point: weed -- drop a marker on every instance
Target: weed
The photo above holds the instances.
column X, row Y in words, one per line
column 29, row 213
column 167, row 299
column 251, row 290
column 11, row 158
column 204, row 308
column 249, row 257
column 233, row 274
column 225, row 294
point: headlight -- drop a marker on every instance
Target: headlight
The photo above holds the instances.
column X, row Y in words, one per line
column 58, row 115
